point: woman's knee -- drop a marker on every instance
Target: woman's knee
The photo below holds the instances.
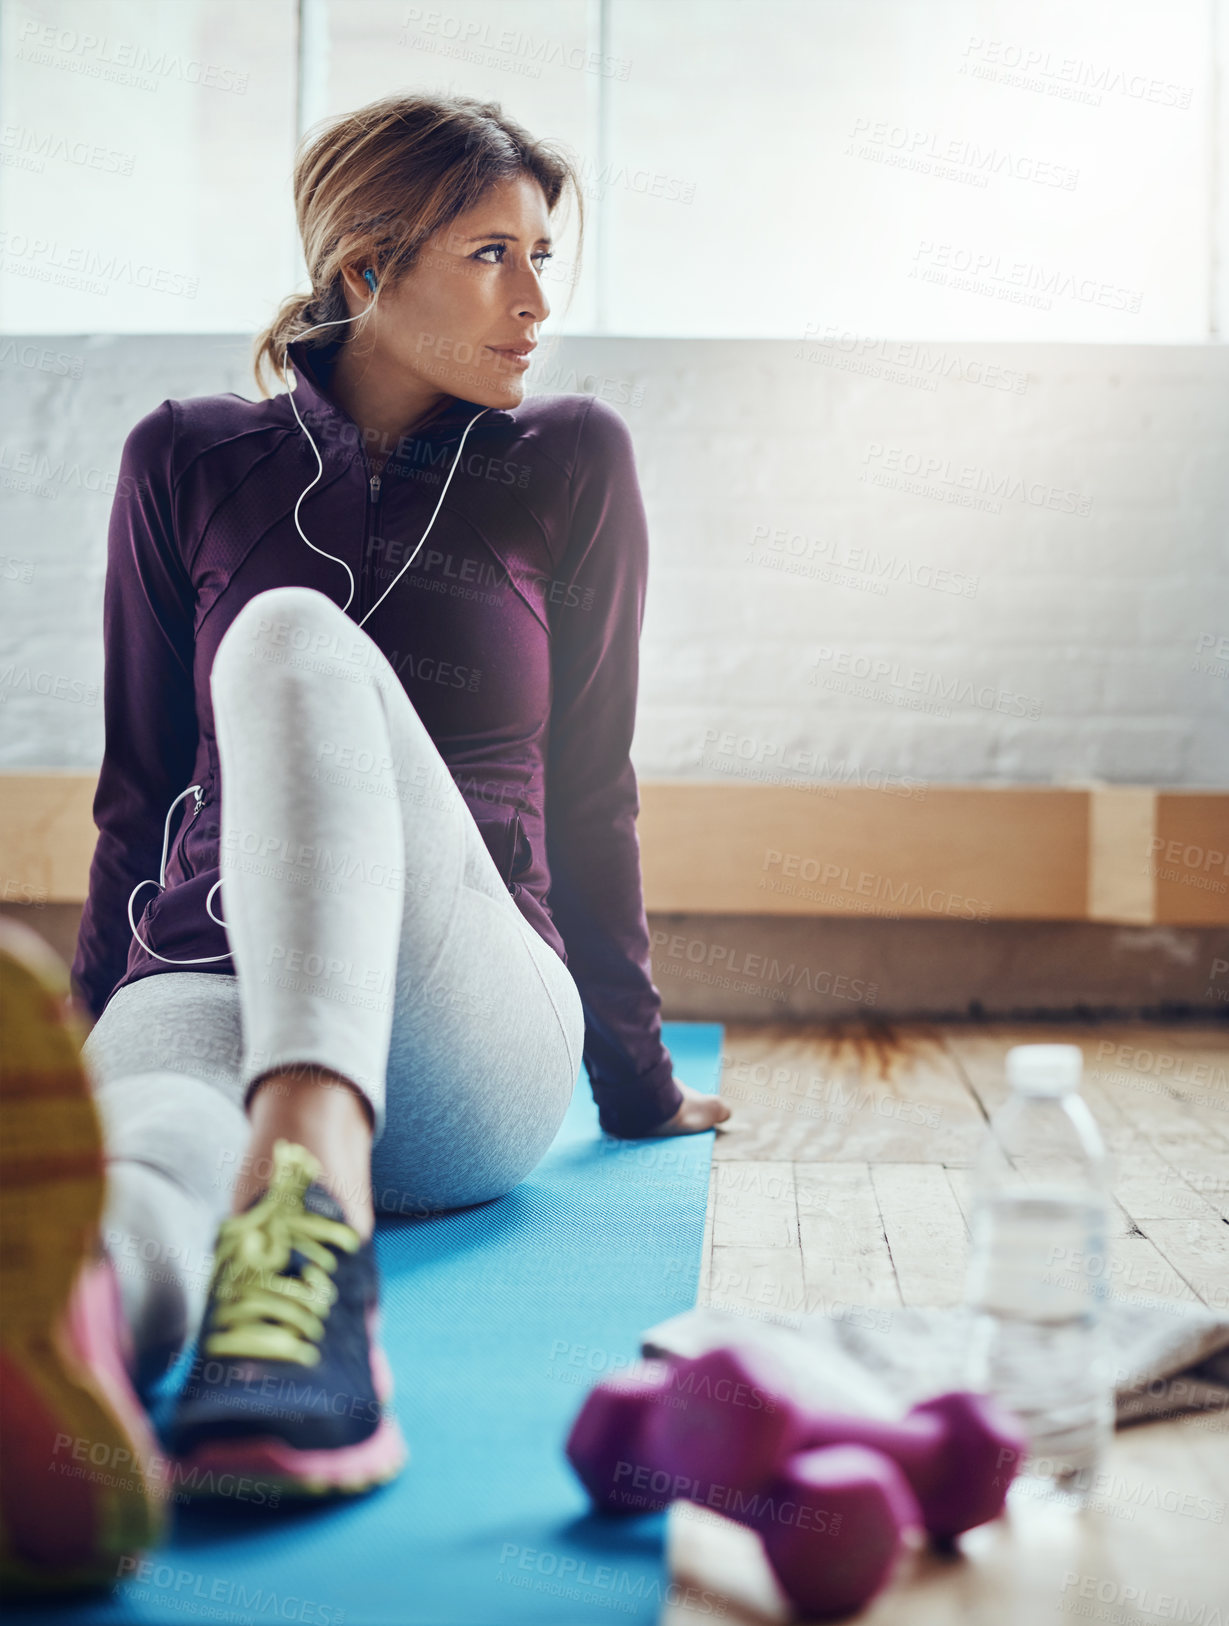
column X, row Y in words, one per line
column 280, row 627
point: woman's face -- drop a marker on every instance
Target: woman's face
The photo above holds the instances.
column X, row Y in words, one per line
column 473, row 295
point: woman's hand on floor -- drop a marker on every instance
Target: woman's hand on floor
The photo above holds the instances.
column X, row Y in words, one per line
column 697, row 1112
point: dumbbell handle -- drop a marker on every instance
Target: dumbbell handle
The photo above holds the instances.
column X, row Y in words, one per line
column 959, row 1452
column 913, row 1443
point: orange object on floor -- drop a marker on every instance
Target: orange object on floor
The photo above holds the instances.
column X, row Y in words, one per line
column 80, row 1473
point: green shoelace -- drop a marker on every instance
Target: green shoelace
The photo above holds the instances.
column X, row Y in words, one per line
column 257, row 1312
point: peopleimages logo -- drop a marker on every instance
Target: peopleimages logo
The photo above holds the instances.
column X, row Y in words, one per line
column 954, row 157
column 172, row 1587
column 791, row 871
column 468, row 39
column 51, row 685
column 959, row 481
column 26, row 354
column 842, row 554
column 883, row 678
column 894, row 359
column 758, row 967
column 35, row 147
column 1020, row 282
column 120, row 61
column 1070, row 78
column 46, row 259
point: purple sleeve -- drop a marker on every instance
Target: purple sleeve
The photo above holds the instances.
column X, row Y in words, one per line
column 592, row 800
column 149, row 704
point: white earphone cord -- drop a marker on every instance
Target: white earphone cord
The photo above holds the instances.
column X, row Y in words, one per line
column 320, row 472
column 160, row 883
column 209, row 959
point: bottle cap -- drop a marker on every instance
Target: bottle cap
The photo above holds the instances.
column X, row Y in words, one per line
column 1045, row 1069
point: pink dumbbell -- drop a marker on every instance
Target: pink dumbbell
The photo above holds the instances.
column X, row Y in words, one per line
column 959, row 1451
column 832, row 1521
column 604, row 1443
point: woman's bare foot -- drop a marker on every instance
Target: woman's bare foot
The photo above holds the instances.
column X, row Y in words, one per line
column 697, row 1112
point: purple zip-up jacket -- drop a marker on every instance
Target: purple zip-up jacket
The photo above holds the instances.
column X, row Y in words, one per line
column 515, row 634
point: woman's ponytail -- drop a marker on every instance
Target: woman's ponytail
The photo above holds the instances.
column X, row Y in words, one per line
column 270, row 346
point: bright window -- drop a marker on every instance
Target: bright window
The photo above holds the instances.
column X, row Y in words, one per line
column 752, row 168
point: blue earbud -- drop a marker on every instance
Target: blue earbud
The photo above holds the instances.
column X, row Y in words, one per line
column 369, row 277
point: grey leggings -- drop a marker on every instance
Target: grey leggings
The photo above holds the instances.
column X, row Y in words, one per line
column 416, row 977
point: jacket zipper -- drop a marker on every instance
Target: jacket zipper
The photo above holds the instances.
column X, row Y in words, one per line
column 198, row 804
column 373, row 503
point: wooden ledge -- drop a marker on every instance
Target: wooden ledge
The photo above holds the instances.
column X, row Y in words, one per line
column 1125, row 854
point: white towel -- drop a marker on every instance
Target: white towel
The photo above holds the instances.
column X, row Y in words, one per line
column 1169, row 1358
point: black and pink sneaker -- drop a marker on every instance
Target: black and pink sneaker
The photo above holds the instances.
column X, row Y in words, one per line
column 288, row 1389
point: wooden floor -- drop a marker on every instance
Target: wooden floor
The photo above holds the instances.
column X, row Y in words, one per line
column 837, row 1186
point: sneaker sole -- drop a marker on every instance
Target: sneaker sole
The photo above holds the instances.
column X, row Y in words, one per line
column 278, row 1470
column 79, row 1472
column 287, row 1471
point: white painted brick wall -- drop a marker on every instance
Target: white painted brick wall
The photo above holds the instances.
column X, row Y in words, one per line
column 1093, row 619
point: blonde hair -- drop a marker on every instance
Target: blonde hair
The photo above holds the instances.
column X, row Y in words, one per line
column 378, row 182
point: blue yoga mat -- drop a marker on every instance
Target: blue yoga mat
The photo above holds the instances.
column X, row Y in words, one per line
column 497, row 1320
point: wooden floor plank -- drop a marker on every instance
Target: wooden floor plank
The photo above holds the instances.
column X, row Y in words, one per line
column 845, row 1255
column 925, row 1232
column 1134, row 1271
column 1149, row 1188
column 1198, row 1252
column 757, row 1281
column 980, row 1054
column 755, row 1205
column 797, row 1095
column 1192, row 1158
column 1198, row 1163
column 1152, row 1099
column 961, row 1182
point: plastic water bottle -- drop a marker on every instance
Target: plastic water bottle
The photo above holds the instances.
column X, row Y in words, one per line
column 1037, row 1274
